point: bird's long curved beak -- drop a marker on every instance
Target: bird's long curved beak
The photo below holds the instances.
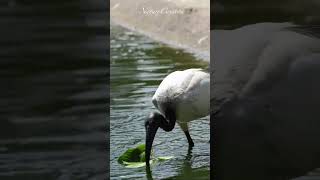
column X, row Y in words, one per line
column 150, row 134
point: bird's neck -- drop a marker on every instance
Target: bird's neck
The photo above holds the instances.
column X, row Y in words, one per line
column 168, row 122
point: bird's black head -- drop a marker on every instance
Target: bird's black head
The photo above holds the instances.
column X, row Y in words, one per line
column 154, row 119
column 152, row 123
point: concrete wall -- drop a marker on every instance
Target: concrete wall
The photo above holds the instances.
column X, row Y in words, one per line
column 180, row 23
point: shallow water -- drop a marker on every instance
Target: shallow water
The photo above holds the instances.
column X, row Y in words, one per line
column 137, row 67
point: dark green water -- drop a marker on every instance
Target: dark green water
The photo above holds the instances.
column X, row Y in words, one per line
column 138, row 64
column 54, row 92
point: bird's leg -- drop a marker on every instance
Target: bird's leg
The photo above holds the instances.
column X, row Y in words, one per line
column 191, row 144
column 149, row 173
column 184, row 127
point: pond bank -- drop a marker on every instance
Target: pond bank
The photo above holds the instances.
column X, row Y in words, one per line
column 181, row 23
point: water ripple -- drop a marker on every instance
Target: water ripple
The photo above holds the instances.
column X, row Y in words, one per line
column 137, row 68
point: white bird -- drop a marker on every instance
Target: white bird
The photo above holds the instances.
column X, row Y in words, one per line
column 266, row 97
column 181, row 97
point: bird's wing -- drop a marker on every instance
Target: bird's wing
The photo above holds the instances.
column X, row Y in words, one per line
column 177, row 83
column 170, row 89
column 199, row 79
column 282, row 49
column 235, row 57
column 181, row 87
column 197, row 94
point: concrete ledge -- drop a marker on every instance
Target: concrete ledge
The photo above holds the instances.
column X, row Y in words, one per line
column 180, row 23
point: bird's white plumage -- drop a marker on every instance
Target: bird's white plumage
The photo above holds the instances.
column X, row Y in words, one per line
column 188, row 91
column 254, row 54
column 273, row 73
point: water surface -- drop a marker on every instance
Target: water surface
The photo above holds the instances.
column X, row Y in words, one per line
column 138, row 64
column 54, row 92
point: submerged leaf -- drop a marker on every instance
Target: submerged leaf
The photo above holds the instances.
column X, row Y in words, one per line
column 135, row 157
column 133, row 154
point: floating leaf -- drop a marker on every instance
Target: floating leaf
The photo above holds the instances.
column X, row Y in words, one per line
column 134, row 164
column 133, row 154
column 135, row 157
column 164, row 158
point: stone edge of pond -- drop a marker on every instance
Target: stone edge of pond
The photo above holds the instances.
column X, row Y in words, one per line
column 189, row 30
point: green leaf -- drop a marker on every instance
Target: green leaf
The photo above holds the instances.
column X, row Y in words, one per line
column 164, row 158
column 143, row 157
column 133, row 154
column 134, row 164
column 135, row 157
